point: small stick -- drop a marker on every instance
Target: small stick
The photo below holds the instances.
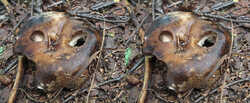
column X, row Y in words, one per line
column 102, row 5
column 117, row 19
column 102, row 44
column 56, row 3
column 12, row 64
column 158, row 95
column 18, row 79
column 90, row 88
column 32, row 8
column 222, row 89
column 153, row 10
column 6, row 4
column 146, row 80
column 174, row 4
column 137, row 29
column 228, row 85
column 209, row 15
column 220, row 6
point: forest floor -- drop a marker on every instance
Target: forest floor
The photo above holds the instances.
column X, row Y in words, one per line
column 119, row 75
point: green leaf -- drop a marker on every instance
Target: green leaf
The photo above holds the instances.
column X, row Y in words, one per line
column 1, row 50
column 127, row 55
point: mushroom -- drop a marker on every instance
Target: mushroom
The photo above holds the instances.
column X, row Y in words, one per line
column 190, row 47
column 60, row 47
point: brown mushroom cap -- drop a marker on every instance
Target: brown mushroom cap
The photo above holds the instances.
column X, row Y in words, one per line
column 190, row 46
column 59, row 46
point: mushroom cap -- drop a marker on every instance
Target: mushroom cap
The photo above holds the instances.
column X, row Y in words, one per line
column 60, row 47
column 191, row 48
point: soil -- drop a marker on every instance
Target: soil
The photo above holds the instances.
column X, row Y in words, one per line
column 119, row 79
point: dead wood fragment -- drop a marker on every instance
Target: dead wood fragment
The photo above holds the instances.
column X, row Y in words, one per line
column 146, row 81
column 11, row 65
column 220, row 17
column 226, row 86
column 19, row 75
column 91, row 87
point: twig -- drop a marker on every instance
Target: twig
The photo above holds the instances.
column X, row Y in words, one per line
column 102, row 44
column 51, row 100
column 220, row 6
column 230, row 54
column 153, row 9
column 219, row 17
column 108, row 81
column 30, row 97
column 43, row 101
column 158, row 96
column 119, row 95
column 32, row 8
column 217, row 66
column 102, row 5
column 176, row 3
column 222, row 89
column 18, row 24
column 18, row 79
column 122, row 76
column 146, row 80
column 117, row 19
column 232, row 37
column 56, row 3
column 6, row 4
column 12, row 64
column 137, row 29
column 228, row 85
column 90, row 88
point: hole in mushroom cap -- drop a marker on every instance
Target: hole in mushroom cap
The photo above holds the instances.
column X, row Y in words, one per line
column 208, row 40
column 37, row 36
column 165, row 36
column 78, row 39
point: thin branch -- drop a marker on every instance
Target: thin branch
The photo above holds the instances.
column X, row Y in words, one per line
column 137, row 29
column 220, row 6
column 56, row 3
column 146, row 80
column 90, row 88
column 220, row 17
column 223, row 88
column 174, row 4
column 7, row 5
column 108, row 18
column 9, row 67
column 32, row 8
column 228, row 85
column 102, row 5
column 50, row 100
column 19, row 75
column 153, row 9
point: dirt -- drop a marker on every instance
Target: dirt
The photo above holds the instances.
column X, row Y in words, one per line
column 121, row 34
